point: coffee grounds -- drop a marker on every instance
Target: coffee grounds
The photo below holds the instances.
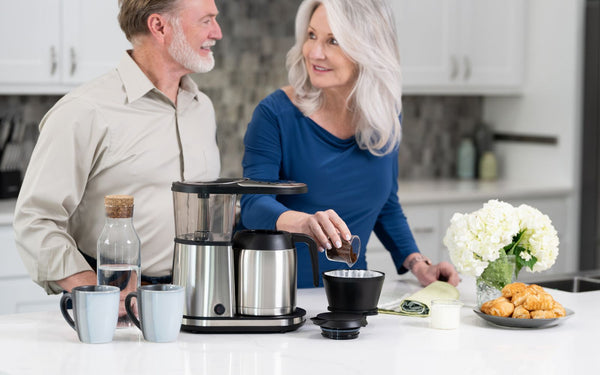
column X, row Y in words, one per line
column 343, row 253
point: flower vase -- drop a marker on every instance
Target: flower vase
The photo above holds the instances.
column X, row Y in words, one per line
column 496, row 275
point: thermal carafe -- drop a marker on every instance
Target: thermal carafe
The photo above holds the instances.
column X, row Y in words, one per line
column 265, row 271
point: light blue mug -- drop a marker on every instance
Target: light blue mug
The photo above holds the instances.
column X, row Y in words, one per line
column 160, row 308
column 95, row 312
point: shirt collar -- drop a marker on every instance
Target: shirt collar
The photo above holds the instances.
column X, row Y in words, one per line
column 137, row 84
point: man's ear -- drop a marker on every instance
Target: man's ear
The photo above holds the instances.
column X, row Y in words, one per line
column 158, row 26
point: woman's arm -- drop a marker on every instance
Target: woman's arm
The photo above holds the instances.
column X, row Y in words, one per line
column 262, row 161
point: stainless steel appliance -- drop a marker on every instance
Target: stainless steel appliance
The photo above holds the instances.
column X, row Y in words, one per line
column 205, row 264
column 265, row 271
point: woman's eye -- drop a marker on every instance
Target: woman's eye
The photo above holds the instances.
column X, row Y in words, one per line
column 333, row 41
column 311, row 35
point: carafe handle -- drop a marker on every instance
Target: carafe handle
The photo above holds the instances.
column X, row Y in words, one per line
column 314, row 253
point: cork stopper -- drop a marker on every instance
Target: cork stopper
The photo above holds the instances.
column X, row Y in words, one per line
column 118, row 206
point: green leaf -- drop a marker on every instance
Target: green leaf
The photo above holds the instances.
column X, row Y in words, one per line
column 510, row 248
column 522, row 262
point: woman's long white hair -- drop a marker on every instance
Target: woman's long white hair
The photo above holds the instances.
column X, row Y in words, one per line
column 366, row 33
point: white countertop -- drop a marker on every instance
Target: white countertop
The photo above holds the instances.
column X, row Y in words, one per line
column 43, row 343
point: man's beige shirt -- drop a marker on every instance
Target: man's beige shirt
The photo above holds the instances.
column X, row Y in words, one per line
column 115, row 135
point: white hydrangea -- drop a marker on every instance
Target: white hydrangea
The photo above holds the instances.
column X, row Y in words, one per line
column 473, row 240
column 540, row 237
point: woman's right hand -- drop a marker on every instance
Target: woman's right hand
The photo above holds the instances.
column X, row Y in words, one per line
column 325, row 227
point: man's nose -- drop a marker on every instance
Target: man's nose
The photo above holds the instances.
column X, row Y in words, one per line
column 216, row 32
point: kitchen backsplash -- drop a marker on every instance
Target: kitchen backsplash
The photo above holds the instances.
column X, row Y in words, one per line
column 250, row 64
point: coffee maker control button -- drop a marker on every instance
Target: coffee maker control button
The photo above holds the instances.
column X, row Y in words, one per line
column 219, row 309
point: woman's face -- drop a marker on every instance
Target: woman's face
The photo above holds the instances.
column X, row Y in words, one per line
column 327, row 65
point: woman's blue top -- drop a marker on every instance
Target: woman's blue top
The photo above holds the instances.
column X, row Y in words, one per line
column 283, row 144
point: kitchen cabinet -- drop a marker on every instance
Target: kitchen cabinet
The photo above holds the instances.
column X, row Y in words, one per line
column 429, row 222
column 18, row 293
column 51, row 46
column 461, row 46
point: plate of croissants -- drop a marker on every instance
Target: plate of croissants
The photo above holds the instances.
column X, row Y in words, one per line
column 524, row 306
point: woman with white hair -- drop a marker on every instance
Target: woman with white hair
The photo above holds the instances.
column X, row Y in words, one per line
column 337, row 129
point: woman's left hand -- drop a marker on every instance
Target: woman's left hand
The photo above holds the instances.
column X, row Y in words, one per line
column 428, row 273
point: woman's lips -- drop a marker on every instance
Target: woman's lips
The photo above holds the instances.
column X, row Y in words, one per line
column 320, row 69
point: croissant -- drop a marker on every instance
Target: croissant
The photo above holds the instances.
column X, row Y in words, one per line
column 536, row 289
column 542, row 314
column 523, row 301
column 558, row 310
column 539, row 302
column 500, row 306
column 511, row 289
column 521, row 296
column 521, row 313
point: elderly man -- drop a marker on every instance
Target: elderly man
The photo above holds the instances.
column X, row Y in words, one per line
column 132, row 131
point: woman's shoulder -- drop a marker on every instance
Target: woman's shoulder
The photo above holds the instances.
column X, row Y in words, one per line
column 279, row 101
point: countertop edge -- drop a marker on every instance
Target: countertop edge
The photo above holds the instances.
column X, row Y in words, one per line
column 454, row 191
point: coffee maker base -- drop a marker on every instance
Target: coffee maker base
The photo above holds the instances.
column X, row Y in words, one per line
column 245, row 324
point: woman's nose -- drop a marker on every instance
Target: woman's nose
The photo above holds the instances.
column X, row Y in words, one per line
column 316, row 51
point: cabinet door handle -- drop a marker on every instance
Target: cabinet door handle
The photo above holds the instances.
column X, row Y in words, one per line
column 423, row 230
column 73, row 61
column 53, row 60
column 453, row 67
column 467, row 68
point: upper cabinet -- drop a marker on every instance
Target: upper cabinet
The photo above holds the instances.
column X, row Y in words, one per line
column 461, row 46
column 51, row 46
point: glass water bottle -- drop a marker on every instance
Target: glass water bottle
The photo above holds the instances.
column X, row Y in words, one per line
column 119, row 250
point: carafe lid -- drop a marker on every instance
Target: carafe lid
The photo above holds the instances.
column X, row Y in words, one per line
column 262, row 239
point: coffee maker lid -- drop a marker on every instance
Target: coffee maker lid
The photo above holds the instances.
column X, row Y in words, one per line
column 239, row 186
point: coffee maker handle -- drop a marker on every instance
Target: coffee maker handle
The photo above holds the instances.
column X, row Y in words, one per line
column 314, row 253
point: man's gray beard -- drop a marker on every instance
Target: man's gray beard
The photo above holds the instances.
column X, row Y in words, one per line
column 184, row 54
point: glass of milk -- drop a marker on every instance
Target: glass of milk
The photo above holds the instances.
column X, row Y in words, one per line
column 445, row 313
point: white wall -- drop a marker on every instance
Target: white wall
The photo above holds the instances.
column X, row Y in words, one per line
column 551, row 102
column 551, row 105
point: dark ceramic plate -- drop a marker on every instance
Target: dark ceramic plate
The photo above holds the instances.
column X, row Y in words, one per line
column 523, row 323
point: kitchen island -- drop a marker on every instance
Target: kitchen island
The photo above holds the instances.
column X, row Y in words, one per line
column 43, row 343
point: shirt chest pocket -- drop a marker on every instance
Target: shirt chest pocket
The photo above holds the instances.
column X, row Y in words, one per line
column 146, row 153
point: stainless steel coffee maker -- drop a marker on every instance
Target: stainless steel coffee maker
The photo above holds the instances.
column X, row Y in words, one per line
column 227, row 289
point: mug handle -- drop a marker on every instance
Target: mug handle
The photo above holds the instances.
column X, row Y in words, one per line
column 130, row 313
column 64, row 300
